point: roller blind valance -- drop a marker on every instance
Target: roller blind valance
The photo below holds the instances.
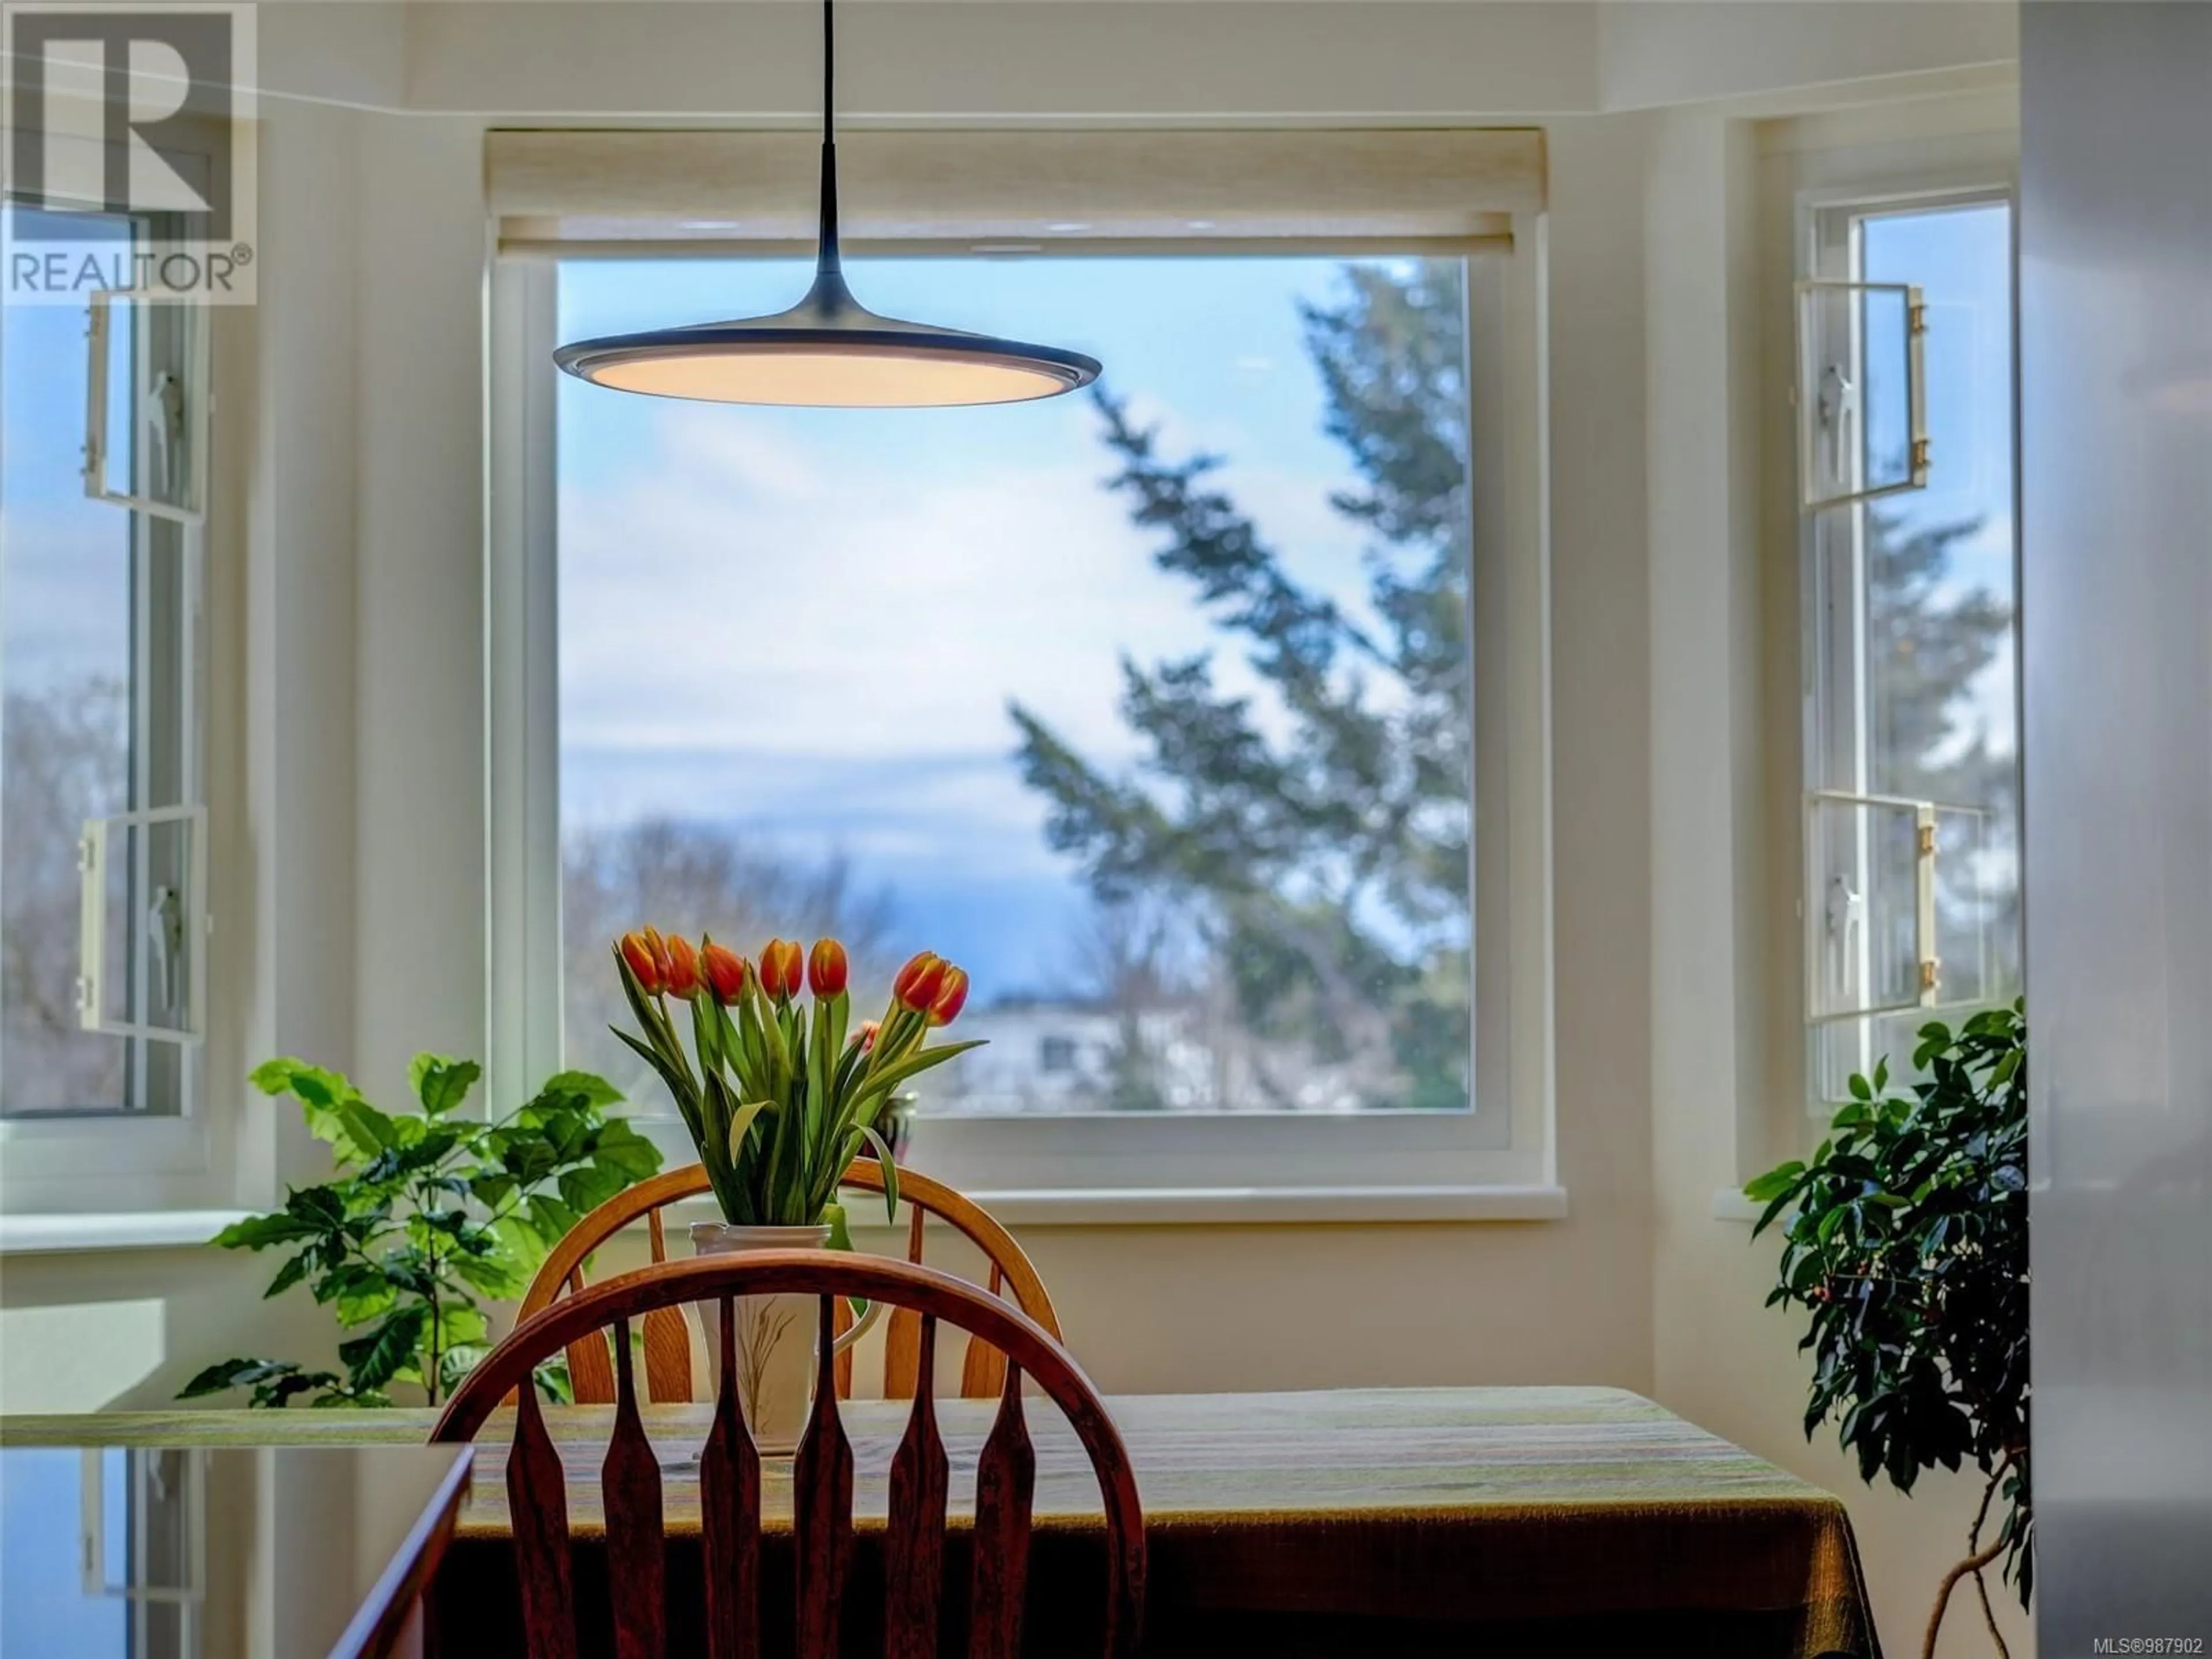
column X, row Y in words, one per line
column 573, row 192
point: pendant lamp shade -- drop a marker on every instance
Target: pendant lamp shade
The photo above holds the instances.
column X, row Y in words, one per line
column 829, row 350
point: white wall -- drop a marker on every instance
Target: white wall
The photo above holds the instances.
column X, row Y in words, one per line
column 365, row 798
column 1657, row 52
column 984, row 59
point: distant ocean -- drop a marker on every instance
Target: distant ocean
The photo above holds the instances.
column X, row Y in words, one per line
column 961, row 851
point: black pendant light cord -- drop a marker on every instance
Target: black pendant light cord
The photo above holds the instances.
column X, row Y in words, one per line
column 829, row 349
column 827, row 263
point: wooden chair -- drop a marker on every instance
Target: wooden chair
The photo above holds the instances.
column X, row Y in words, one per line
column 822, row 1471
column 668, row 1339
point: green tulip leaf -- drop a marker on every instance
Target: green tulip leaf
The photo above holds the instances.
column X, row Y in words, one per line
column 741, row 1124
column 890, row 1168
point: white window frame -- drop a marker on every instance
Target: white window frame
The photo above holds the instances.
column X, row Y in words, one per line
column 1937, row 171
column 1495, row 1163
column 131, row 1161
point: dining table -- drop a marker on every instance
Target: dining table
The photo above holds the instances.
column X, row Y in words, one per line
column 1354, row 1521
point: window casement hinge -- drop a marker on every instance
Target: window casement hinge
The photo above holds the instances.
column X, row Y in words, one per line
column 1927, row 840
column 1930, row 970
column 1916, row 317
column 1920, row 457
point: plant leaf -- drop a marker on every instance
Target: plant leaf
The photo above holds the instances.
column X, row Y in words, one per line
column 589, row 1087
column 287, row 1276
column 891, row 1076
column 441, row 1083
column 259, row 1232
column 741, row 1124
column 890, row 1168
column 235, row 1374
column 374, row 1360
column 623, row 1148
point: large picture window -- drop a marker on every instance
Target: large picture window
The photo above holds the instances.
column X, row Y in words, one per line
column 1204, row 719
column 1154, row 710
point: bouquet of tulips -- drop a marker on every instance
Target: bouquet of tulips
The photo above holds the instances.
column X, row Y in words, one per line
column 781, row 1098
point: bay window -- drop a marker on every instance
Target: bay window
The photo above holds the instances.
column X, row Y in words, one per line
column 1200, row 720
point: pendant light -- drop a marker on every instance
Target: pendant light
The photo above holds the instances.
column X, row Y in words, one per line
column 829, row 349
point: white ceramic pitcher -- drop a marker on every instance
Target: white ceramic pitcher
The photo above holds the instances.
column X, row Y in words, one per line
column 775, row 1349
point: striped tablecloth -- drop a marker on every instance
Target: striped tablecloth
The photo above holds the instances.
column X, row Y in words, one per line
column 1355, row 1521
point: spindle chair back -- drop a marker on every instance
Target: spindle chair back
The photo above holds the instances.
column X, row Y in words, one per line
column 821, row 1471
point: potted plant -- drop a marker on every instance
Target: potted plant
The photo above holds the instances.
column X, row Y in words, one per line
column 428, row 1216
column 780, row 1093
column 1905, row 1238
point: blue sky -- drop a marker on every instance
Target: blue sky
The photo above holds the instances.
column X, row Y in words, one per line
column 1961, row 259
column 809, row 623
column 64, row 605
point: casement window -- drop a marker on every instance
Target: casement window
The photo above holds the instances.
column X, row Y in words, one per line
column 1203, row 721
column 103, row 834
column 1905, row 472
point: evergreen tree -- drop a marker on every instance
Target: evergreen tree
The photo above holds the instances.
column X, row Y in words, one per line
column 1928, row 643
column 1323, row 875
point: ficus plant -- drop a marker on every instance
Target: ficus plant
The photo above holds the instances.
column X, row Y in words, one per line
column 430, row 1215
column 780, row 1097
column 1905, row 1239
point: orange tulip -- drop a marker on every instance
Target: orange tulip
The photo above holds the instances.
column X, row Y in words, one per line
column 683, row 966
column 726, row 973
column 951, row 996
column 917, row 983
column 781, row 969
column 827, row 969
column 644, row 962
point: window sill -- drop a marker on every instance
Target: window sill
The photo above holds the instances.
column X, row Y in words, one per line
column 1242, row 1207
column 150, row 1229
column 1730, row 1205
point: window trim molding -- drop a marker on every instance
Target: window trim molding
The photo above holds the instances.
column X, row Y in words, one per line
column 1096, row 1169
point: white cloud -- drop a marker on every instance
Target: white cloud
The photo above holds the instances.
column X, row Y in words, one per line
column 741, row 590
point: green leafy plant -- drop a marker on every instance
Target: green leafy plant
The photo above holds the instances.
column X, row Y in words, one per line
column 427, row 1214
column 1905, row 1238
column 781, row 1099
